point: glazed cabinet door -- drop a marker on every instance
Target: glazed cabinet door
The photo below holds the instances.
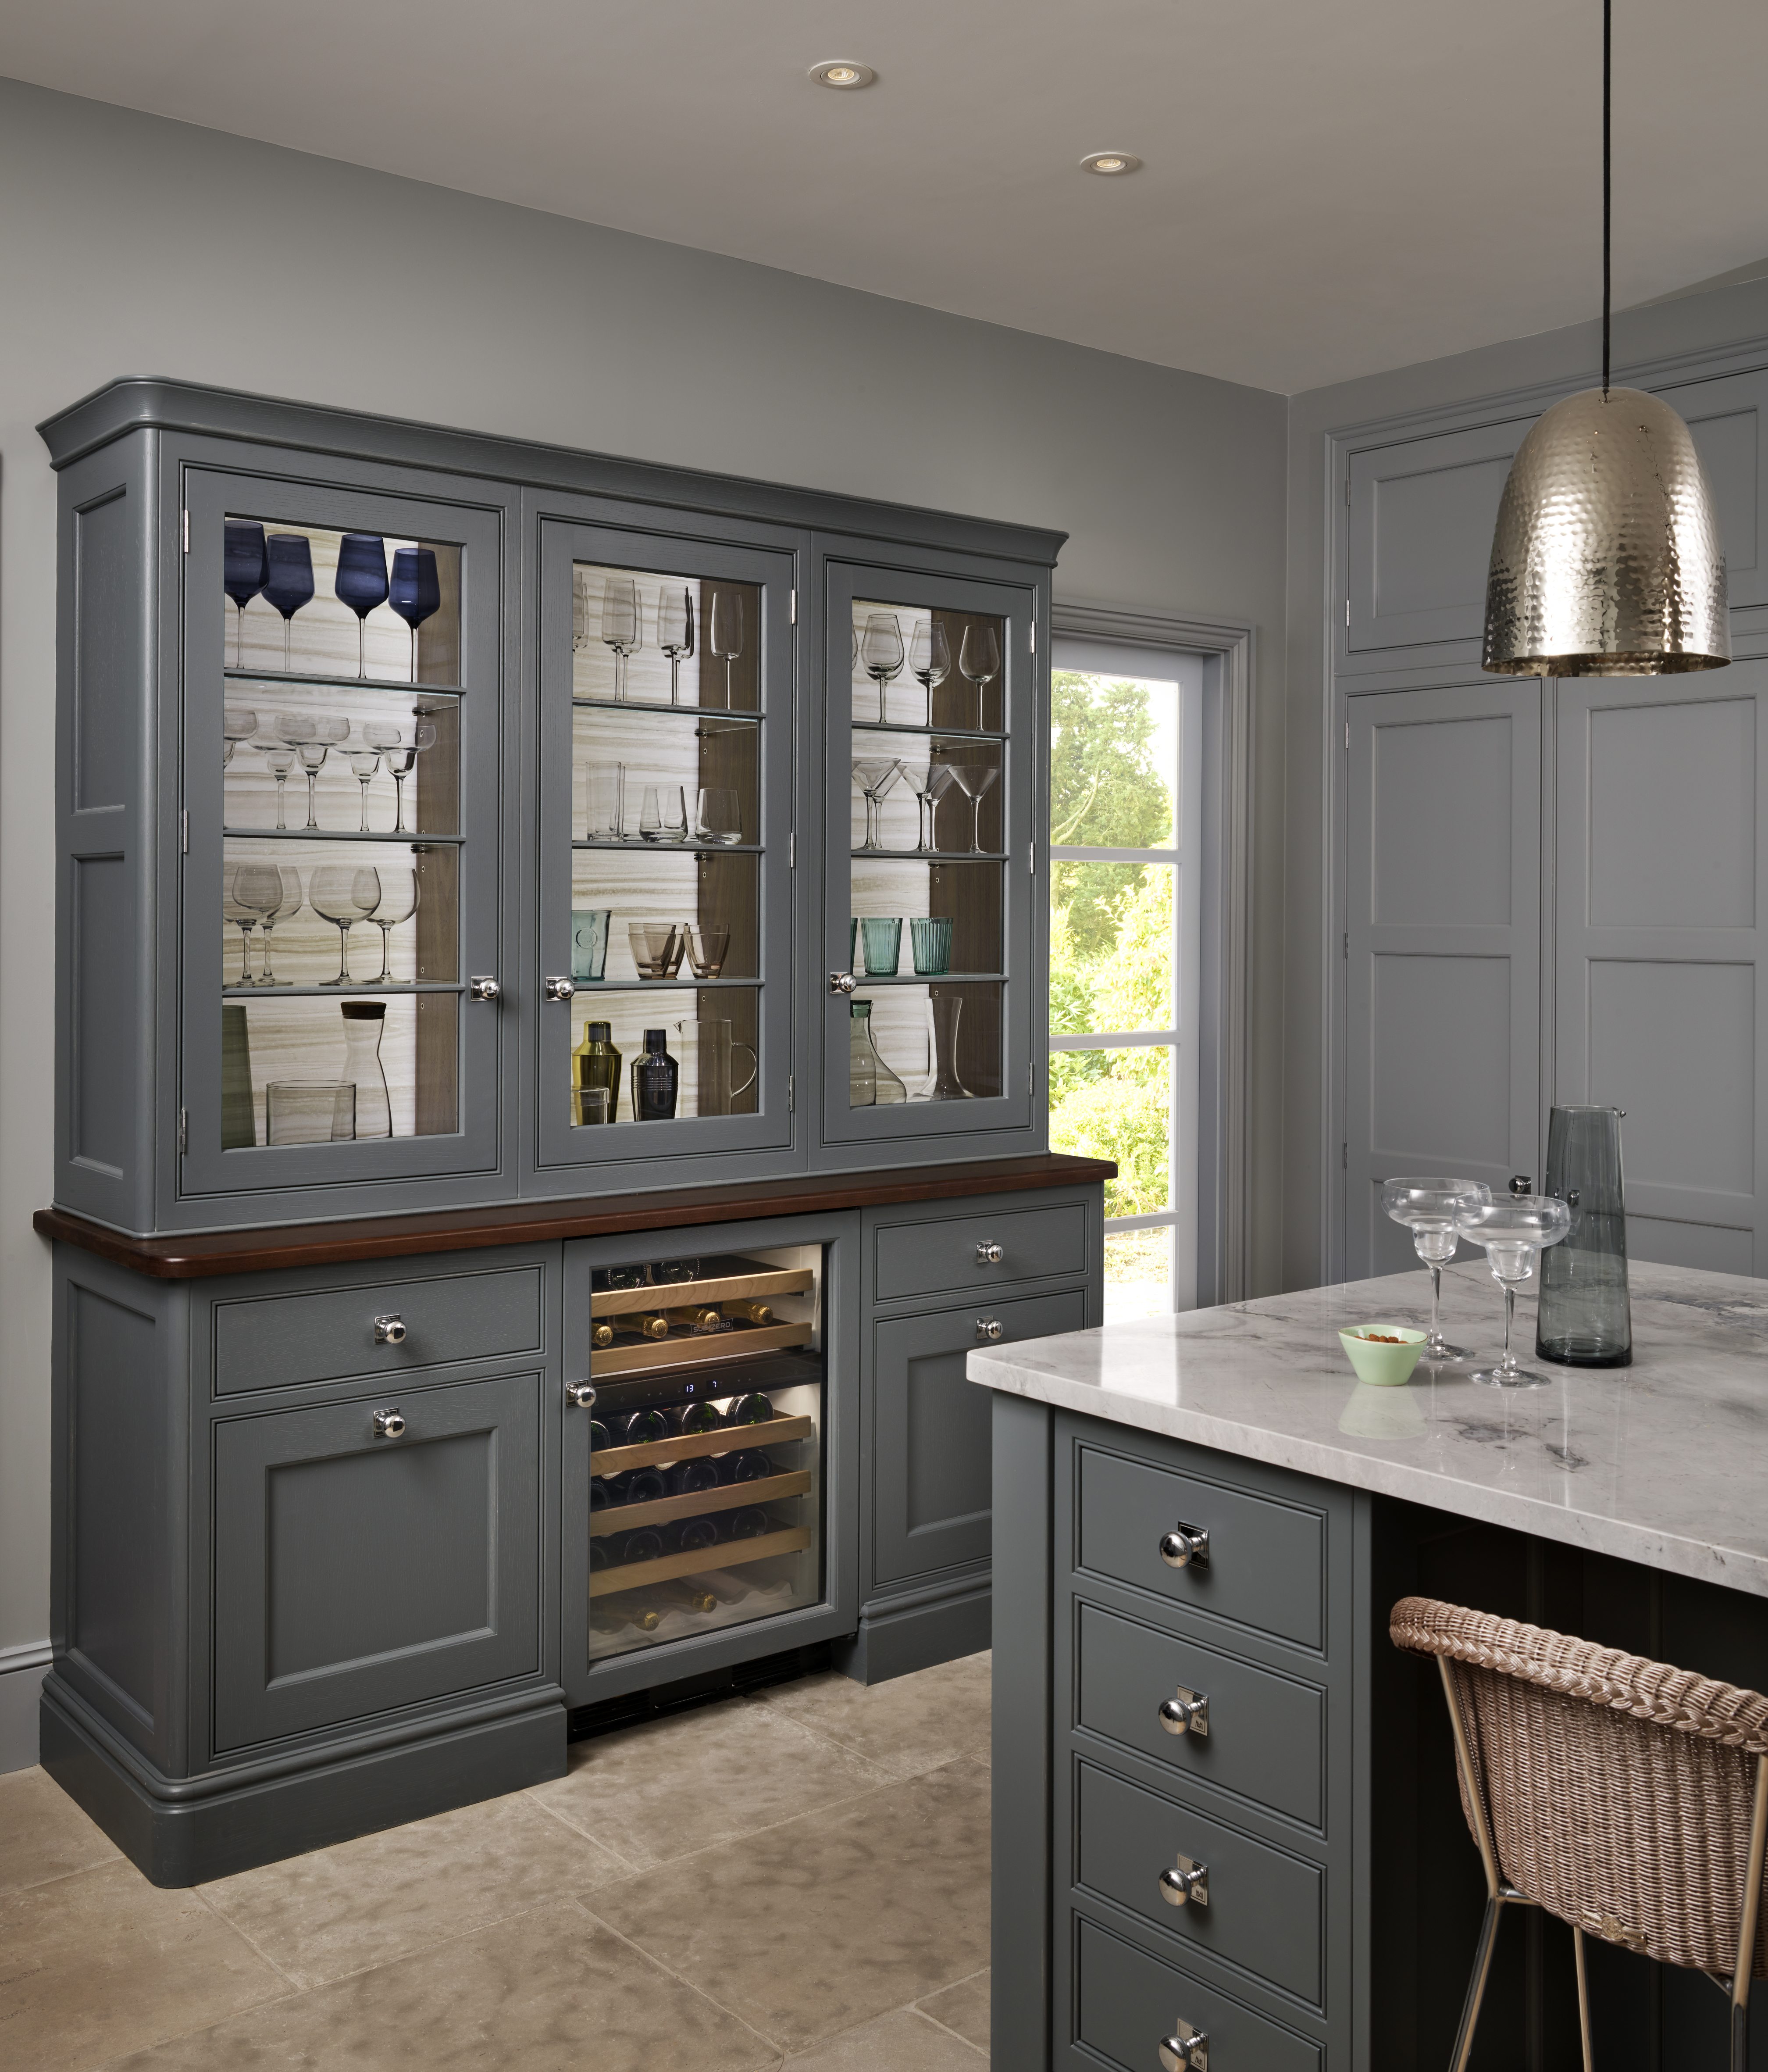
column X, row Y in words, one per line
column 344, row 717
column 930, row 938
column 661, row 1027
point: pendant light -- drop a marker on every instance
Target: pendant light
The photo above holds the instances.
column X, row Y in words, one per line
column 1606, row 560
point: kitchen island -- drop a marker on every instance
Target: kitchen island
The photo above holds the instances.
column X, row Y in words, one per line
column 1201, row 1522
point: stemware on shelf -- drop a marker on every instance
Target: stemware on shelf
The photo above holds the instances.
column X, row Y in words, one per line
column 312, row 738
column 244, row 568
column 718, row 820
column 708, row 943
column 415, row 590
column 344, row 893
column 871, row 1082
column 245, row 917
column 363, row 763
column 979, row 659
column 929, row 658
column 973, row 780
column 1514, row 1231
column 238, row 724
column 580, row 635
column 880, row 944
column 675, row 631
column 726, row 634
column 656, row 947
column 288, row 582
column 360, row 582
column 875, row 775
column 308, row 1112
column 399, row 753
column 279, row 759
column 944, row 1011
column 620, row 626
column 1427, row 1206
column 929, row 943
column 881, row 649
column 398, row 902
column 935, row 781
column 272, row 891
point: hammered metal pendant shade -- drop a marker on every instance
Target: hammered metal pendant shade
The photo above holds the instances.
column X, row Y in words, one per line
column 1607, row 561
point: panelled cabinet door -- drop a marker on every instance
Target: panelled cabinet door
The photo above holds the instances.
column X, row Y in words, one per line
column 665, row 731
column 1729, row 417
column 344, row 724
column 927, row 937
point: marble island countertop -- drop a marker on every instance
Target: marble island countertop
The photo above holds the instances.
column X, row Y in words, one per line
column 1664, row 1462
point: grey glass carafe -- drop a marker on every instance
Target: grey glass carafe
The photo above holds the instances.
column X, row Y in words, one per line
column 1585, row 1319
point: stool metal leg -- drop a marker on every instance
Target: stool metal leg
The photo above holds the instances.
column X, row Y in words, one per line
column 1583, row 1998
column 1476, row 1985
column 1745, row 1961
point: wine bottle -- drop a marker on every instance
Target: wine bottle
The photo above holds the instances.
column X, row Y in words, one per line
column 603, row 1278
column 600, row 1496
column 688, row 1419
column 749, row 1313
column 610, row 1614
column 665, row 1272
column 602, row 1332
column 698, row 1320
column 599, row 1556
column 686, row 1535
column 644, row 1543
column 752, row 1466
column 744, row 1525
column 639, row 1427
column 643, row 1323
column 637, row 1485
column 684, row 1596
column 598, row 1435
column 691, row 1477
column 750, row 1409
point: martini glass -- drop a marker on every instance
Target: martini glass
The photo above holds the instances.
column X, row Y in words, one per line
column 875, row 775
column 1514, row 1233
column 1427, row 1208
column 973, row 780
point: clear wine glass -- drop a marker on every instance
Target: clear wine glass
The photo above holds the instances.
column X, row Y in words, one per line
column 399, row 893
column 675, row 631
column 398, row 755
column 289, row 579
column 415, row 590
column 279, row 760
column 360, row 582
column 1515, row 1232
column 244, row 568
column 344, row 893
column 930, row 659
column 881, row 649
column 875, row 775
column 237, row 724
column 620, row 626
column 973, row 780
column 273, row 891
column 580, row 608
column 979, row 659
column 727, row 634
column 245, row 917
column 313, row 740
column 1427, row 1208
column 363, row 763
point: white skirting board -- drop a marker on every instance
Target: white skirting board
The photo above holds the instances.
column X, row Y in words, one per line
column 21, row 1670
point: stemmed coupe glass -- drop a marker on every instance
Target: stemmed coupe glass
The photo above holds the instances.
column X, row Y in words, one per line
column 344, row 893
column 398, row 902
column 313, row 740
column 398, row 755
column 881, row 649
column 1515, row 1232
column 280, row 758
column 1428, row 1208
column 973, row 780
column 361, row 583
column 238, row 724
column 875, row 775
column 288, row 582
column 930, row 659
column 675, row 632
column 363, row 763
column 245, row 917
column 727, row 634
column 244, row 568
column 415, row 590
column 620, row 627
column 979, row 659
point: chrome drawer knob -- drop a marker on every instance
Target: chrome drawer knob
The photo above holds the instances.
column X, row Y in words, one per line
column 990, row 1327
column 1187, row 1883
column 841, row 981
column 1186, row 2049
column 990, row 1255
column 556, row 988
column 1186, row 1546
column 388, row 1424
column 579, row 1395
column 390, row 1331
column 483, row 989
column 1186, row 1713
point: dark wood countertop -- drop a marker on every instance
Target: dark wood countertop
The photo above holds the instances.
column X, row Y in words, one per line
column 212, row 1253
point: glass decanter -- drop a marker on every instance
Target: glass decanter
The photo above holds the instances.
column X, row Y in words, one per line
column 871, row 1082
column 364, row 1022
column 943, row 1011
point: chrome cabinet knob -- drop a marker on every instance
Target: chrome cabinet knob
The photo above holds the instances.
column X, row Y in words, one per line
column 1186, row 2049
column 841, row 981
column 483, row 989
column 990, row 1327
column 1188, row 1713
column 388, row 1424
column 579, row 1395
column 1186, row 1883
column 556, row 988
column 389, row 1330
column 1186, row 1546
column 990, row 1255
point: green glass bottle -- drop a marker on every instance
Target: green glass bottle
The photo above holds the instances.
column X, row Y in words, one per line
column 595, row 1063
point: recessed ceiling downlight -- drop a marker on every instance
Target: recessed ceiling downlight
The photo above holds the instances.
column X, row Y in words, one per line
column 843, row 73
column 1109, row 163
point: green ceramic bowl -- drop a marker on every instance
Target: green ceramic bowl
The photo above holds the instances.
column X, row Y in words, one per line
column 1383, row 1366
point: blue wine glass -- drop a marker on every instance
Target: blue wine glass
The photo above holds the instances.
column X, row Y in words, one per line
column 415, row 593
column 287, row 582
column 244, row 568
column 361, row 583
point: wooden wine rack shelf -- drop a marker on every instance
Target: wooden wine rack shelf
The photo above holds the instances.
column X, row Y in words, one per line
column 734, row 1496
column 697, row 1445
column 729, row 1554
column 645, row 1355
column 764, row 1281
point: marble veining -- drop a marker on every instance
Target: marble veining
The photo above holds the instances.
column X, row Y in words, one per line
column 1664, row 1462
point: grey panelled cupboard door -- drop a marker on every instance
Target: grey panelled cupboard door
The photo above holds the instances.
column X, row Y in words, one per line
column 1442, row 981
column 1661, row 899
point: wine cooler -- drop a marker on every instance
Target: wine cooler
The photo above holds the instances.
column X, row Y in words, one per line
column 707, row 1446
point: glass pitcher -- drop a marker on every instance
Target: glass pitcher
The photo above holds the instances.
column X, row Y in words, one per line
column 1585, row 1319
column 709, row 1068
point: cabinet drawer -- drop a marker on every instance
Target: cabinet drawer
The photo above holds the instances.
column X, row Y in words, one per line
column 1126, row 2001
column 1266, row 1560
column 1267, row 1733
column 932, row 1258
column 1265, row 1907
column 326, row 1335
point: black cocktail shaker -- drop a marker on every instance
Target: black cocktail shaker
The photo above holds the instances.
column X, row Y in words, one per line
column 1583, row 1318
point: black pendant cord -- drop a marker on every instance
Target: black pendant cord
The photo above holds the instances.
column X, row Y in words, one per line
column 1608, row 12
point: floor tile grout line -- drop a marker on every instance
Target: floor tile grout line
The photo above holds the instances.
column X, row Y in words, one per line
column 670, row 1971
column 251, row 1942
column 61, row 1877
column 916, row 2007
column 981, row 1971
column 583, row 1834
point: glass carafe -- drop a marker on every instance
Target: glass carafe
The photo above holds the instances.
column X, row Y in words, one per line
column 871, row 1082
column 363, row 1022
column 709, row 1068
column 943, row 1012
column 1585, row 1319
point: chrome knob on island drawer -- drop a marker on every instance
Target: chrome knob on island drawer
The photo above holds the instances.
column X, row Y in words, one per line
column 389, row 1330
column 483, row 989
column 556, row 988
column 1186, row 1546
column 990, row 1255
column 1186, row 1713
column 388, row 1424
column 1187, row 1883
column 841, row 981
column 579, row 1395
column 1186, row 2049
column 990, row 1327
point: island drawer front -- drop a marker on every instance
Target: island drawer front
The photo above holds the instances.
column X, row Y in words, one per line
column 936, row 1257
column 1126, row 2002
column 1266, row 1567
column 323, row 1335
column 1266, row 1741
column 1266, row 1908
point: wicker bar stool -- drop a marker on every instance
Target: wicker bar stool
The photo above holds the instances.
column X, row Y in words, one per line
column 1627, row 1799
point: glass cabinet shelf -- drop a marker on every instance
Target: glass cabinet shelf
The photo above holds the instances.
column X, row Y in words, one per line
column 666, row 711
column 301, row 678
column 936, row 734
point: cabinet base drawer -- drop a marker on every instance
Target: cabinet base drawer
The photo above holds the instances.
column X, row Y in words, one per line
column 958, row 1253
column 1126, row 2003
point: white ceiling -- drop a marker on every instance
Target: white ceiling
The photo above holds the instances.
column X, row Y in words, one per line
column 1328, row 190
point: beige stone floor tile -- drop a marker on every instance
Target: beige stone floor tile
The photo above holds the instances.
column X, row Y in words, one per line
column 912, row 1723
column 550, row 1990
column 963, row 2007
column 365, row 1902
column 669, row 1787
column 809, row 1928
column 102, row 1962
column 899, row 2041
column 42, row 1834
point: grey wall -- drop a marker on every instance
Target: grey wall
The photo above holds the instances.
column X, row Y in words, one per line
column 132, row 245
column 1689, row 324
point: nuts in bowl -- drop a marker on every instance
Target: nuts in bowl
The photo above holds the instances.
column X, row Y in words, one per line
column 1384, row 1355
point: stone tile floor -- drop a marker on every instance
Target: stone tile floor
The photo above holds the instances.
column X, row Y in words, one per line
column 802, row 1875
